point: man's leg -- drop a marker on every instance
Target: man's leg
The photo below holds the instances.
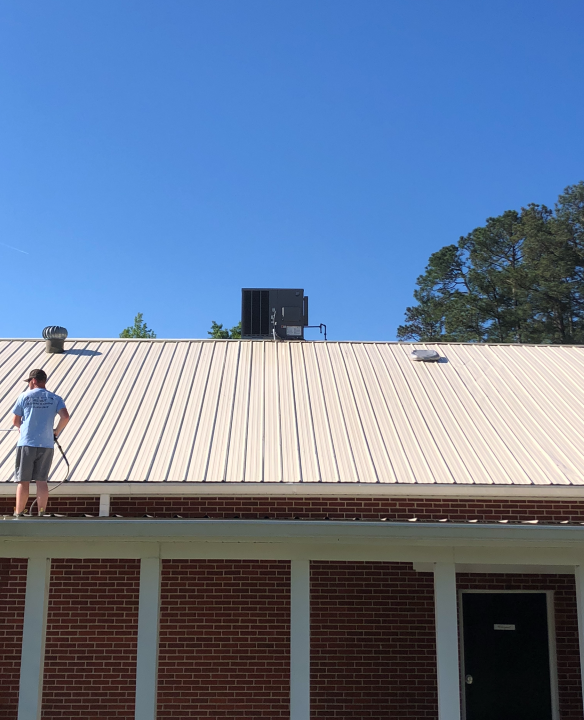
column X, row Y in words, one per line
column 42, row 495
column 21, row 496
column 22, row 475
column 42, row 468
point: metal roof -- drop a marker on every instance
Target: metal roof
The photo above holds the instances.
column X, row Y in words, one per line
column 308, row 412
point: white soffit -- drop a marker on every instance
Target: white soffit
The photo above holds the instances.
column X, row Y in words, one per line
column 292, row 412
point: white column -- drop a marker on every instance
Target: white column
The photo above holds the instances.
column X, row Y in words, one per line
column 300, row 640
column 447, row 641
column 580, row 603
column 147, row 662
column 33, row 638
column 104, row 505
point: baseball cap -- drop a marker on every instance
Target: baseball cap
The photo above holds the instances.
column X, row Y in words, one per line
column 37, row 374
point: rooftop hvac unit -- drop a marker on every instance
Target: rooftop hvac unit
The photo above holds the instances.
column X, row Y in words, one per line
column 269, row 312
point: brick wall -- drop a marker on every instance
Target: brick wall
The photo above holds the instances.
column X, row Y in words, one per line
column 224, row 640
column 372, row 641
column 64, row 504
column 566, row 621
column 453, row 509
column 12, row 591
column 90, row 660
column 373, row 644
column 224, row 626
column 348, row 508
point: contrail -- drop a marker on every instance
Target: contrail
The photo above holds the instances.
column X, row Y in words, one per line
column 13, row 248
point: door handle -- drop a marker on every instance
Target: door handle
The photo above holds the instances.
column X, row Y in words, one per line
column 468, row 679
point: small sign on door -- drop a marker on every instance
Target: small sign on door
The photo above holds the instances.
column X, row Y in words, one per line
column 502, row 626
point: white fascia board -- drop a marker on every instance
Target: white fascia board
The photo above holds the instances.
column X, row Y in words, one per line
column 536, row 557
column 294, row 540
column 372, row 490
column 182, row 530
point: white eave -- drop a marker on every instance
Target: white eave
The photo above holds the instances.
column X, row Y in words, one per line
column 307, row 490
column 520, row 548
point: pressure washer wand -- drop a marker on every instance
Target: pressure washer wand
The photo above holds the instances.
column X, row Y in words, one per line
column 66, row 463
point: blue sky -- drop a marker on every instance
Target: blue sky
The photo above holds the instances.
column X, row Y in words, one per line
column 159, row 156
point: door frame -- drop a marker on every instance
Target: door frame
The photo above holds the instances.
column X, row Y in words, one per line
column 551, row 623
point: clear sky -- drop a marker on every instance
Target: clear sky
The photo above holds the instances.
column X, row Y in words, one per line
column 158, row 156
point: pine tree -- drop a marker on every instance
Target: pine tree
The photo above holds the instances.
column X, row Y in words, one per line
column 520, row 278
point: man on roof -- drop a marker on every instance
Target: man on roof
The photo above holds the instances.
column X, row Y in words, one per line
column 34, row 416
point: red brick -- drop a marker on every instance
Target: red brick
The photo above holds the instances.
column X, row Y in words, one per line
column 12, row 593
column 224, row 641
column 90, row 661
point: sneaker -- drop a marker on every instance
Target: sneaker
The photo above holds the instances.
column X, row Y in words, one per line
column 17, row 515
column 42, row 512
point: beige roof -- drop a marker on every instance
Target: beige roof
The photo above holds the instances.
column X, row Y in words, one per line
column 242, row 411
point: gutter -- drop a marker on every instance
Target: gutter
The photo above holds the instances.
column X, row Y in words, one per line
column 274, row 531
column 129, row 488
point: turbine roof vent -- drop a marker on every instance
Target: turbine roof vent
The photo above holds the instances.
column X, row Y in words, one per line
column 55, row 332
column 55, row 337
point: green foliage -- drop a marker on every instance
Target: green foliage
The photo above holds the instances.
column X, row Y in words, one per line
column 219, row 333
column 138, row 330
column 520, row 278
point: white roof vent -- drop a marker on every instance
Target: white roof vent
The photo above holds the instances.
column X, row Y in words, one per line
column 425, row 355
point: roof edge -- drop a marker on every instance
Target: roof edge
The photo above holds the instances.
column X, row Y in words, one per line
column 385, row 490
column 269, row 340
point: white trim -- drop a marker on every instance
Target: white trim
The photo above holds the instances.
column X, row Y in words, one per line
column 104, row 505
column 514, row 569
column 519, row 545
column 461, row 655
column 446, row 641
column 33, row 638
column 300, row 640
column 147, row 655
column 244, row 549
column 580, row 605
column 294, row 540
column 141, row 529
column 385, row 490
column 552, row 649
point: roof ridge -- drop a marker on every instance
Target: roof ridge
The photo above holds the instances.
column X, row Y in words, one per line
column 269, row 340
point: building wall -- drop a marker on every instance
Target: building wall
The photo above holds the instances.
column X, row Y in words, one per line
column 92, row 629
column 224, row 640
column 566, row 622
column 425, row 509
column 64, row 504
column 372, row 641
column 12, row 592
column 455, row 510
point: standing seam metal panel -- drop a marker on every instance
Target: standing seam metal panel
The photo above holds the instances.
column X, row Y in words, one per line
column 308, row 412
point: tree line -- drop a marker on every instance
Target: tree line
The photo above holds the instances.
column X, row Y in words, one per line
column 140, row 330
column 518, row 279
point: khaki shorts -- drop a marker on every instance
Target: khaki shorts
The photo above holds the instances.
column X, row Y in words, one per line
column 33, row 464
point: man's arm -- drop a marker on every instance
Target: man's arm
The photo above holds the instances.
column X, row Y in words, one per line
column 17, row 421
column 63, row 420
